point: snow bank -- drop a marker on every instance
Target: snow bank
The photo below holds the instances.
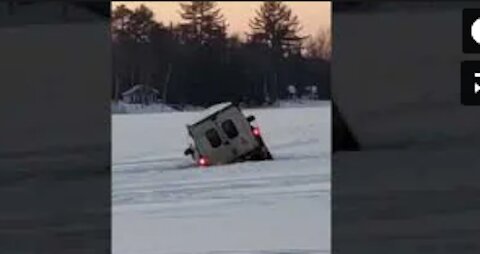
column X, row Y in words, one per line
column 301, row 103
column 125, row 108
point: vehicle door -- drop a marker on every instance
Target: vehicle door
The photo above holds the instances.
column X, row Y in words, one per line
column 236, row 131
column 210, row 142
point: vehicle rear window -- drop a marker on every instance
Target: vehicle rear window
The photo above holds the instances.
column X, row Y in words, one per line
column 229, row 128
column 213, row 138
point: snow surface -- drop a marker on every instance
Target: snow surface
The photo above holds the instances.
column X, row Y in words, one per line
column 163, row 204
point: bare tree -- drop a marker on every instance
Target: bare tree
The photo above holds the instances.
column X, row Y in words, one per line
column 166, row 82
column 320, row 46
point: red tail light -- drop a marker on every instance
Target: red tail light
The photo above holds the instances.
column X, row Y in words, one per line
column 203, row 162
column 256, row 131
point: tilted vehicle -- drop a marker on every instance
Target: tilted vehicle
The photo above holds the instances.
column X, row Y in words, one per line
column 224, row 135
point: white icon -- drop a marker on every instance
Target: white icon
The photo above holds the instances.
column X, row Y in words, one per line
column 476, row 30
column 476, row 87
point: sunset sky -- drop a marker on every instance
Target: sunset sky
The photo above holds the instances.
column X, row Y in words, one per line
column 313, row 16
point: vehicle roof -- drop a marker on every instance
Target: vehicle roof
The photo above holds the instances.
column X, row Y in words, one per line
column 211, row 111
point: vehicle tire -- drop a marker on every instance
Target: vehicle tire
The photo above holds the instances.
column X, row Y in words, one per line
column 266, row 154
column 188, row 151
column 262, row 153
column 257, row 154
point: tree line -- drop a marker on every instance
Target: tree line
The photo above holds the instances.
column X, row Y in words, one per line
column 196, row 62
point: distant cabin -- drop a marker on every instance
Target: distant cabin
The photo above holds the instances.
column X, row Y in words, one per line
column 141, row 94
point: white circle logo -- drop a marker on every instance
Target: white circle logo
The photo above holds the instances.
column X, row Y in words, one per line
column 476, row 30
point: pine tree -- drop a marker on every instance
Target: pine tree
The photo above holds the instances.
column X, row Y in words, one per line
column 120, row 20
column 203, row 21
column 136, row 25
column 142, row 24
column 133, row 61
column 276, row 26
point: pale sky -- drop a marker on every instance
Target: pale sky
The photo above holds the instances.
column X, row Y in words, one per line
column 313, row 16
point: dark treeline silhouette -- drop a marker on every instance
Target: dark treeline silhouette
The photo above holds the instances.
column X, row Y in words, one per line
column 196, row 62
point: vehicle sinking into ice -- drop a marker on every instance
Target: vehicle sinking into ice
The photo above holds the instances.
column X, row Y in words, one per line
column 224, row 135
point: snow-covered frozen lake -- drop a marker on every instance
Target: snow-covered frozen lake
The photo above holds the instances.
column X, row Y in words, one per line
column 162, row 204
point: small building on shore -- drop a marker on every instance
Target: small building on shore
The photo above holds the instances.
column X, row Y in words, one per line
column 141, row 94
